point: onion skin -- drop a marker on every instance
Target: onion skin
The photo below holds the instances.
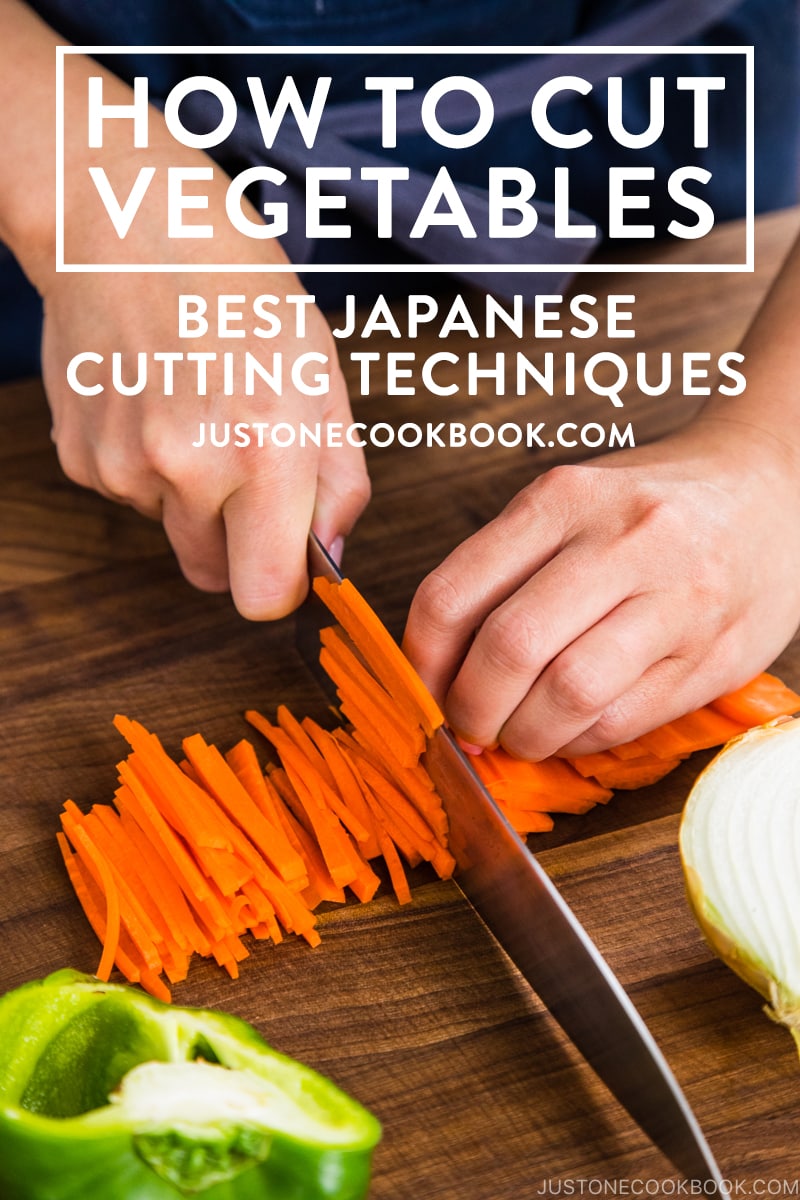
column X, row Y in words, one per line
column 782, row 1006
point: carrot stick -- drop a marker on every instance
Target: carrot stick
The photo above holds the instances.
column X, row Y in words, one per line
column 284, row 857
column 524, row 821
column 390, row 856
column 347, row 782
column 97, row 866
column 185, row 929
column 380, row 651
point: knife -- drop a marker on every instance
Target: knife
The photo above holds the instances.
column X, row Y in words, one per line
column 525, row 913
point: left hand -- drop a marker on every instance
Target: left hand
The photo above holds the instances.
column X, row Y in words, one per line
column 611, row 597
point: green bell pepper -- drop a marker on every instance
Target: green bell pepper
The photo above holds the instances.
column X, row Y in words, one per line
column 108, row 1094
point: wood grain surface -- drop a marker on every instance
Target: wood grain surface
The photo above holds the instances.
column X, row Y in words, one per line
column 416, row 1011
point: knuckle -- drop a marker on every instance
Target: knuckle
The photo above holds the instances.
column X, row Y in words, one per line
column 439, row 602
column 577, row 686
column 512, row 639
column 562, row 490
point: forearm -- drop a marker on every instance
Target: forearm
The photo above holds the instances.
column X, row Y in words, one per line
column 770, row 403
column 27, row 95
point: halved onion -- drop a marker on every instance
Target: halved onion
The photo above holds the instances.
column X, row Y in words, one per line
column 740, row 848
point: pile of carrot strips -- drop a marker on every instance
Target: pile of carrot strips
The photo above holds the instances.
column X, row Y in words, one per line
column 195, row 854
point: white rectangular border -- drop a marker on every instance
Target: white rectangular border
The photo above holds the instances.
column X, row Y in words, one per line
column 401, row 268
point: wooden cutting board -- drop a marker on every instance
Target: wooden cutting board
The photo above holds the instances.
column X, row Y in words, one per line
column 416, row 1011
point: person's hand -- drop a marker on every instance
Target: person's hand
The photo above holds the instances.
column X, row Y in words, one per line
column 237, row 517
column 611, row 597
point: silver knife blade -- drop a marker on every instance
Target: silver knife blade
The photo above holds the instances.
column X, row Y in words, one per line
column 523, row 910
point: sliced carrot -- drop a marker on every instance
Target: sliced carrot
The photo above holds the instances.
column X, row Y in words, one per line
column 636, row 772
column 285, row 857
column 706, row 728
column 524, row 821
column 763, row 699
column 380, row 651
column 347, row 783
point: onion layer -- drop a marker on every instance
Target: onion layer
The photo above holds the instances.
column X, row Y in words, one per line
column 740, row 849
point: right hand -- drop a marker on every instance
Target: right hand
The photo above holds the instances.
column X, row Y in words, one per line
column 237, row 518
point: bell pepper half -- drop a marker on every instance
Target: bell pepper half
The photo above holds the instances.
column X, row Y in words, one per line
column 106, row 1092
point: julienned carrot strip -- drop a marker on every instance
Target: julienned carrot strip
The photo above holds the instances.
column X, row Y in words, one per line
column 347, row 783
column 358, row 690
column 368, row 721
column 341, row 661
column 415, row 784
column 222, row 783
column 380, row 651
column 94, row 861
column 319, row 876
column 133, row 797
column 524, row 821
column 92, row 902
column 762, row 699
column 101, row 922
column 388, row 794
column 171, row 895
column 294, row 730
column 297, row 749
column 286, row 860
column 147, row 931
column 310, row 789
column 155, row 985
column 169, row 787
column 118, row 847
column 390, row 856
column 127, row 908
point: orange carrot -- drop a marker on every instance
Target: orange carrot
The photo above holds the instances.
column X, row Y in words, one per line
column 380, row 651
column 761, row 700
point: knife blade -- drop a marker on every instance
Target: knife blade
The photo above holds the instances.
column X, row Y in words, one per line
column 527, row 916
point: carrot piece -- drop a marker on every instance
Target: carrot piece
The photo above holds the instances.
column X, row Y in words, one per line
column 312, row 792
column 636, row 772
column 366, row 703
column 554, row 780
column 524, row 821
column 510, row 795
column 187, row 805
column 223, row 784
column 668, row 741
column 91, row 900
column 154, row 984
column 284, row 856
column 383, row 655
column 347, row 783
column 321, row 885
column 762, row 699
column 397, row 875
column 294, row 730
column 96, row 864
column 633, row 749
column 185, row 929
column 706, row 728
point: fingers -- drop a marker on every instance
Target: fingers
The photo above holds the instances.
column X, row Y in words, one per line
column 583, row 697
column 197, row 536
column 479, row 577
column 343, row 487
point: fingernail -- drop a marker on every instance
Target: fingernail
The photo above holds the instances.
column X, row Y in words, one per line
column 336, row 549
column 469, row 747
